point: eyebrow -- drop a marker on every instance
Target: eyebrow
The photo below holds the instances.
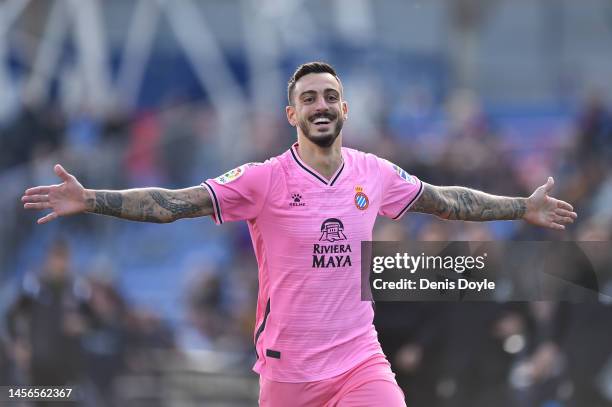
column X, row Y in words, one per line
column 328, row 90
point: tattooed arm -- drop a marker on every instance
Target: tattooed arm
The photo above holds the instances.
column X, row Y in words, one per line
column 143, row 204
column 150, row 204
column 459, row 203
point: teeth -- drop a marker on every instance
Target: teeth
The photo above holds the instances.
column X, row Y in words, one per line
column 321, row 121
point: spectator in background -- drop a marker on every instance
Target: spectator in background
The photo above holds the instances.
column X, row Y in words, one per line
column 147, row 333
column 45, row 323
column 178, row 139
column 588, row 351
column 536, row 376
column 215, row 322
column 595, row 130
column 105, row 340
column 5, row 364
column 143, row 154
column 205, row 310
column 589, row 162
column 37, row 130
column 412, row 335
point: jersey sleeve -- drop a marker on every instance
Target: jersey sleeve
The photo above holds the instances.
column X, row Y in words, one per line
column 239, row 194
column 399, row 190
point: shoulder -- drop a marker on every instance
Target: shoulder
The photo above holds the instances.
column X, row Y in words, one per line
column 385, row 168
column 359, row 158
column 367, row 164
column 267, row 170
column 247, row 171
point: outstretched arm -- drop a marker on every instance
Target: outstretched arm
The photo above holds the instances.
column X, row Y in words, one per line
column 459, row 203
column 142, row 204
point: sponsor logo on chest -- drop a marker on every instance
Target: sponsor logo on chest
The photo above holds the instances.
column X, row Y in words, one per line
column 328, row 253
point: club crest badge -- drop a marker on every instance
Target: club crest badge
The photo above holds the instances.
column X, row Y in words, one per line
column 230, row 176
column 361, row 199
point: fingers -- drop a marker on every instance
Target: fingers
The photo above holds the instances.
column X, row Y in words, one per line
column 37, row 205
column 564, row 205
column 566, row 213
column 36, row 202
column 34, row 198
column 38, row 190
column 39, row 202
column 43, row 190
column 62, row 173
column 563, row 220
column 558, row 222
column 47, row 218
column 556, row 226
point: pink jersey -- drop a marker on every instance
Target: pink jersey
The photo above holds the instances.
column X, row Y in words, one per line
column 311, row 323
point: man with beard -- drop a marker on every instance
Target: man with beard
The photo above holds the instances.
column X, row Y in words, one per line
column 308, row 211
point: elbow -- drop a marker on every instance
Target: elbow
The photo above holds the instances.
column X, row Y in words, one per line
column 447, row 210
column 444, row 215
column 169, row 219
column 154, row 219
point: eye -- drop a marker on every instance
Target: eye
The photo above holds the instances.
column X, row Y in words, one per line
column 332, row 98
column 307, row 99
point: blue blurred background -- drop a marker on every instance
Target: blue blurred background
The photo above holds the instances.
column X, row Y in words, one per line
column 491, row 94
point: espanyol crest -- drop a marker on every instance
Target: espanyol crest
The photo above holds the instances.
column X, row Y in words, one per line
column 361, row 199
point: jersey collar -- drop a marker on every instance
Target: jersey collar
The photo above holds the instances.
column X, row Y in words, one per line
column 312, row 172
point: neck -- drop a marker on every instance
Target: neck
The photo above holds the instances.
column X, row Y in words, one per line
column 324, row 160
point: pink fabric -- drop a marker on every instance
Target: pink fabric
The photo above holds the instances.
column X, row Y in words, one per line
column 311, row 323
column 370, row 384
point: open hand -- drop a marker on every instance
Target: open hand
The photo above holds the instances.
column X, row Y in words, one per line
column 67, row 198
column 544, row 210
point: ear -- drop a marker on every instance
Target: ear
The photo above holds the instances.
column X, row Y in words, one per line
column 290, row 110
column 344, row 110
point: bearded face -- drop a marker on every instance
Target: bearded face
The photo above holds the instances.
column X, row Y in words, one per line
column 322, row 128
column 318, row 109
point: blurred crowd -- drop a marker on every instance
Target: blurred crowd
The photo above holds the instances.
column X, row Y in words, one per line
column 67, row 325
column 79, row 330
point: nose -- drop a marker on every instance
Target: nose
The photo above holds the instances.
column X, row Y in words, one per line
column 321, row 105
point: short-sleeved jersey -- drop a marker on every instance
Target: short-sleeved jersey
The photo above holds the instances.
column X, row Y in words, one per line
column 307, row 231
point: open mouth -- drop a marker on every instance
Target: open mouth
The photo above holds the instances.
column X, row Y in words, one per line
column 322, row 121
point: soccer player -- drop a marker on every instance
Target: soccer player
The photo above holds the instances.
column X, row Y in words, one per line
column 307, row 210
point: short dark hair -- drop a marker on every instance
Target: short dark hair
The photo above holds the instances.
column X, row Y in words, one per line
column 305, row 69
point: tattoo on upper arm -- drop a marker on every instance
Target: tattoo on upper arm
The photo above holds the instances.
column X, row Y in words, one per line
column 428, row 202
column 108, row 203
column 461, row 203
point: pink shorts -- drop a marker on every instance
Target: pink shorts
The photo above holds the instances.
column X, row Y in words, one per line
column 371, row 384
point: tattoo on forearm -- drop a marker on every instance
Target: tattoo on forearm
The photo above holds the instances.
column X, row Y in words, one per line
column 460, row 203
column 177, row 207
column 108, row 203
column 152, row 204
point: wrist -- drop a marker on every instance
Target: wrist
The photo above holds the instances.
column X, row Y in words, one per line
column 89, row 197
column 526, row 207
